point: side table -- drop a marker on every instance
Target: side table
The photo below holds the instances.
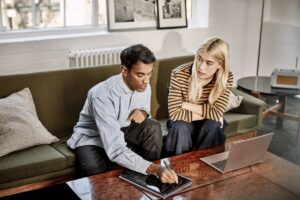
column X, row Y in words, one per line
column 262, row 85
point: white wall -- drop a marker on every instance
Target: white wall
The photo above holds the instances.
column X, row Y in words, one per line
column 281, row 36
column 236, row 21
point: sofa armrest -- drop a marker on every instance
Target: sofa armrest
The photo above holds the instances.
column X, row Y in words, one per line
column 250, row 105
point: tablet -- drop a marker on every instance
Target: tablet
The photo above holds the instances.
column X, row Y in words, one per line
column 153, row 185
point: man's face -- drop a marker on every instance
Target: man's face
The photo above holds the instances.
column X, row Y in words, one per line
column 138, row 77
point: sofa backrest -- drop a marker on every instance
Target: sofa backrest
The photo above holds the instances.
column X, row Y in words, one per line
column 160, row 86
column 59, row 95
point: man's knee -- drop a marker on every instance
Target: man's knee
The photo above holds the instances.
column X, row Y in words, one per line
column 92, row 169
column 92, row 160
column 153, row 128
column 152, row 124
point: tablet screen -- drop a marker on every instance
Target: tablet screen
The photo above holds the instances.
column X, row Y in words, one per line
column 153, row 184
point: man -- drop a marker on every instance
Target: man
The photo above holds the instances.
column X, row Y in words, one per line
column 114, row 125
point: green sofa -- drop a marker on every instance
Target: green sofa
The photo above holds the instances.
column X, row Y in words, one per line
column 59, row 97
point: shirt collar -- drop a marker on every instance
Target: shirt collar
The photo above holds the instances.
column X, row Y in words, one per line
column 123, row 87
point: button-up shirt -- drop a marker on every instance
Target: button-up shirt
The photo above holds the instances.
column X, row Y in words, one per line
column 105, row 112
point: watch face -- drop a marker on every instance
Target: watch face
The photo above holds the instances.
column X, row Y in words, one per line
column 286, row 80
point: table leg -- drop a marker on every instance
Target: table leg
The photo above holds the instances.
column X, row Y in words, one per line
column 279, row 120
column 298, row 135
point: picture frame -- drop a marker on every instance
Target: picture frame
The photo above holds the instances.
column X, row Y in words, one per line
column 171, row 14
column 124, row 15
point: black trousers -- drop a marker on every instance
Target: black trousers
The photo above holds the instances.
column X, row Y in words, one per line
column 184, row 136
column 145, row 139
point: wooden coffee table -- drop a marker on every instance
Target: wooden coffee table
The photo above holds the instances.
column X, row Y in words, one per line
column 276, row 178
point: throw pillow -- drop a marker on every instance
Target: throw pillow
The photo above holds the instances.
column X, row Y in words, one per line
column 233, row 102
column 20, row 127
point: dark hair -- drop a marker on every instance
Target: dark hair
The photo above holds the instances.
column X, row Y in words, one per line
column 136, row 53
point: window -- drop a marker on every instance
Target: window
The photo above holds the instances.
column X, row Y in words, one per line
column 60, row 15
column 40, row 14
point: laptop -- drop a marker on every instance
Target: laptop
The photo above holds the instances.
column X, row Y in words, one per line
column 241, row 154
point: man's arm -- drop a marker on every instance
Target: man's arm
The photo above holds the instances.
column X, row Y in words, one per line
column 112, row 137
column 115, row 145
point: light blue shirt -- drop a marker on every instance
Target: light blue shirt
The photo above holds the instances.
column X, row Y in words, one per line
column 105, row 112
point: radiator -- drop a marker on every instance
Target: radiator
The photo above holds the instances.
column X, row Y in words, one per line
column 95, row 57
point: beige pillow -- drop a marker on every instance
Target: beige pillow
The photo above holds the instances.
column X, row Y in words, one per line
column 20, row 127
column 233, row 102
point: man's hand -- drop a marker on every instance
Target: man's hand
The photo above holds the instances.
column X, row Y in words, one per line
column 137, row 116
column 164, row 174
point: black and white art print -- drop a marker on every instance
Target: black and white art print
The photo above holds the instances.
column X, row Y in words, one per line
column 131, row 14
column 171, row 13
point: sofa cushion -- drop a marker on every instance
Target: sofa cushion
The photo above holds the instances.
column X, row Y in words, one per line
column 234, row 101
column 62, row 147
column 19, row 124
column 31, row 162
column 164, row 129
column 160, row 87
column 239, row 123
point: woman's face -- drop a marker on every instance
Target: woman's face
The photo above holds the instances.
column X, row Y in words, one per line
column 207, row 65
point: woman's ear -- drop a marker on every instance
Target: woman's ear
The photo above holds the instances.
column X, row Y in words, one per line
column 124, row 70
column 220, row 65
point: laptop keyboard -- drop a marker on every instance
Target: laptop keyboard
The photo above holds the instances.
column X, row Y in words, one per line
column 220, row 164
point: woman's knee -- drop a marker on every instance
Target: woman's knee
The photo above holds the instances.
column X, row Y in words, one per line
column 179, row 126
column 211, row 124
column 215, row 130
column 179, row 138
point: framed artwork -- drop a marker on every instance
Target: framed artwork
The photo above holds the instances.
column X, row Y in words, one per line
column 171, row 14
column 131, row 14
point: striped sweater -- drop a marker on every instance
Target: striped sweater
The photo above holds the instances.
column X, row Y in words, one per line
column 178, row 92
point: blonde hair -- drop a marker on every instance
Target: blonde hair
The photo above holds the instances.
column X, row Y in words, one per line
column 218, row 49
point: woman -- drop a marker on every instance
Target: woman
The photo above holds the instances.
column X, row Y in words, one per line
column 198, row 95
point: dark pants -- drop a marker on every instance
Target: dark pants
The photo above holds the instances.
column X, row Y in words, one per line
column 184, row 136
column 145, row 139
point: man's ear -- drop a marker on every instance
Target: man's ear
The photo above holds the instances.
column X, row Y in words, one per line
column 124, row 70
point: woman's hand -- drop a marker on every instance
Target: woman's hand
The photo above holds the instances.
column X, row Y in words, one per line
column 195, row 108
column 184, row 105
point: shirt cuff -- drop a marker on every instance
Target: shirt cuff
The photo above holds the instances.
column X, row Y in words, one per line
column 143, row 166
column 147, row 113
